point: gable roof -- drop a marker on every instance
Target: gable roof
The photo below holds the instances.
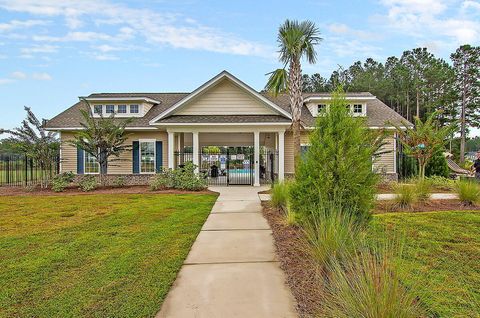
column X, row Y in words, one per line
column 211, row 83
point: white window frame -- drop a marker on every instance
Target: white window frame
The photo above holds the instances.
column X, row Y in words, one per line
column 130, row 108
column 101, row 109
column 361, row 108
column 85, row 164
column 118, row 109
column 106, row 108
column 318, row 108
column 154, row 141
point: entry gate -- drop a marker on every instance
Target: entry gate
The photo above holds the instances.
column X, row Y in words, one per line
column 229, row 166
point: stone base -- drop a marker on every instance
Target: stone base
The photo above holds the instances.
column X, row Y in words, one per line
column 129, row 179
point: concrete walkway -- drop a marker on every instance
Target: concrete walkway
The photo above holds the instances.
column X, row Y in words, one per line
column 232, row 269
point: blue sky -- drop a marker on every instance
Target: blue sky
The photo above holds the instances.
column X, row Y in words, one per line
column 53, row 51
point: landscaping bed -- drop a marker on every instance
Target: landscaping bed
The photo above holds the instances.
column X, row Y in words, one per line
column 441, row 256
column 388, row 206
column 95, row 255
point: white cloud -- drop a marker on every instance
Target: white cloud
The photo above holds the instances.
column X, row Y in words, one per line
column 154, row 27
column 19, row 75
column 17, row 24
column 47, row 48
column 345, row 30
column 41, row 76
column 4, row 81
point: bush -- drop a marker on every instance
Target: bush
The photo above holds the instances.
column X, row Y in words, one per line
column 442, row 183
column 119, row 182
column 437, row 166
column 468, row 192
column 368, row 285
column 182, row 178
column 330, row 233
column 405, row 195
column 422, row 189
column 87, row 183
column 280, row 194
column 61, row 181
column 338, row 164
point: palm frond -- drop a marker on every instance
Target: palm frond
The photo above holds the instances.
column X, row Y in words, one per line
column 277, row 82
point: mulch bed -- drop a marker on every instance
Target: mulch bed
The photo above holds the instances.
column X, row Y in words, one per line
column 17, row 191
column 294, row 261
column 428, row 206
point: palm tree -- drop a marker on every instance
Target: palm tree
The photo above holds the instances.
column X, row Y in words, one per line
column 296, row 40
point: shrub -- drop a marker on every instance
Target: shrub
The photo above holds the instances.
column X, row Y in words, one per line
column 161, row 181
column 442, row 183
column 330, row 233
column 182, row 178
column 87, row 183
column 405, row 195
column 280, row 194
column 119, row 182
column 291, row 217
column 422, row 189
column 61, row 181
column 368, row 285
column 338, row 164
column 468, row 192
column 437, row 166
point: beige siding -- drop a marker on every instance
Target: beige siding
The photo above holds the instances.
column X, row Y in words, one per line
column 124, row 166
column 385, row 163
column 225, row 99
column 289, row 163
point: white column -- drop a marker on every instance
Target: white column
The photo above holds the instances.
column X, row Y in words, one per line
column 196, row 147
column 281, row 155
column 171, row 150
column 256, row 146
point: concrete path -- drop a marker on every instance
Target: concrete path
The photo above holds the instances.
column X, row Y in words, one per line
column 232, row 269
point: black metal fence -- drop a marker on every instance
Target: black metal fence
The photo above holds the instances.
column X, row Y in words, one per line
column 20, row 170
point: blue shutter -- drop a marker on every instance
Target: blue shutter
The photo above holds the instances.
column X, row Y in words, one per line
column 80, row 160
column 158, row 156
column 136, row 157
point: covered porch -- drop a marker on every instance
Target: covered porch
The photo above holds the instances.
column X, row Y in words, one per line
column 230, row 155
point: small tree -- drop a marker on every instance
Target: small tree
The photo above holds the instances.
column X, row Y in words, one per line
column 34, row 141
column 423, row 141
column 102, row 137
column 337, row 166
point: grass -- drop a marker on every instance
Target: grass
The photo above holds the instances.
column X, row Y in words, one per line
column 468, row 192
column 94, row 255
column 441, row 256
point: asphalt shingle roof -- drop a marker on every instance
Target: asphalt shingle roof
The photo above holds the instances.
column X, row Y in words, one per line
column 378, row 114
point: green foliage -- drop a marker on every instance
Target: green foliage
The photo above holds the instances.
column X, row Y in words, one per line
column 119, row 182
column 424, row 140
column 437, row 166
column 423, row 189
column 442, row 183
column 62, row 180
column 87, row 183
column 405, row 195
column 468, row 192
column 330, row 232
column 280, row 194
column 368, row 285
column 103, row 137
column 338, row 164
column 182, row 178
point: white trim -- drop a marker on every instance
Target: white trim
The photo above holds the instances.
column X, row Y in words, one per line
column 212, row 82
column 281, row 155
column 60, row 152
column 171, row 149
column 224, row 124
column 347, row 98
column 84, row 164
column 113, row 99
column 140, row 155
column 81, row 128
column 395, row 152
column 256, row 158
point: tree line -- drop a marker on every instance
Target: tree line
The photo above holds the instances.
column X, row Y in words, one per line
column 416, row 84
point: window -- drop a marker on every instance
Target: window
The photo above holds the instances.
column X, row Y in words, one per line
column 122, row 109
column 321, row 108
column 147, row 156
column 304, row 150
column 109, row 109
column 97, row 109
column 134, row 109
column 91, row 165
column 357, row 108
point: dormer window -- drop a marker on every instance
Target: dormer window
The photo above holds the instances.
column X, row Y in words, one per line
column 133, row 109
column 97, row 109
column 122, row 109
column 110, row 109
column 357, row 108
column 321, row 108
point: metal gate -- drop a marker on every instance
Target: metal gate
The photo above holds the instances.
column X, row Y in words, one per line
column 240, row 166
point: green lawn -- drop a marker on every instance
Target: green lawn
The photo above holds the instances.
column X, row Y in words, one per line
column 94, row 255
column 441, row 258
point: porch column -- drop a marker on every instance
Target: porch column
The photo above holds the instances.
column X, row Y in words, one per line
column 196, row 154
column 256, row 146
column 281, row 155
column 171, row 150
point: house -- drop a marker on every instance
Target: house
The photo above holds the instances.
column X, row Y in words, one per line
column 224, row 126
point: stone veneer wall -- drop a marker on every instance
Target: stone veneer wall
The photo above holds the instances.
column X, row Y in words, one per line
column 129, row 179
